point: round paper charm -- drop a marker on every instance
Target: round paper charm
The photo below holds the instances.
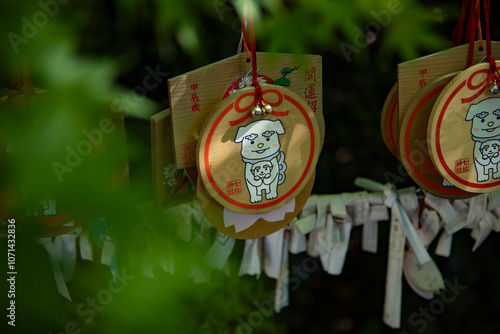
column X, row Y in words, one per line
column 413, row 142
column 250, row 226
column 389, row 121
column 256, row 164
column 464, row 131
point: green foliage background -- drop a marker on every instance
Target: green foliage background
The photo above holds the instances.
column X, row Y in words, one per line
column 91, row 54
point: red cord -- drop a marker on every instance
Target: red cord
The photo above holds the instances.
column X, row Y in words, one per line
column 471, row 32
column 457, row 36
column 249, row 38
column 421, row 208
column 487, row 22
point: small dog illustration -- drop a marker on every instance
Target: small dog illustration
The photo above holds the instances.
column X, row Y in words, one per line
column 261, row 170
column 265, row 163
column 485, row 131
column 490, row 150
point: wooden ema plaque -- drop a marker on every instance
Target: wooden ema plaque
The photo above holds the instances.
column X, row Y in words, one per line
column 168, row 181
column 464, row 131
column 258, row 164
column 194, row 95
column 413, row 142
column 389, row 121
column 251, row 226
column 414, row 75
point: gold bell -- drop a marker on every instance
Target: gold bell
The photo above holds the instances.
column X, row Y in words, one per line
column 494, row 87
column 267, row 109
column 256, row 111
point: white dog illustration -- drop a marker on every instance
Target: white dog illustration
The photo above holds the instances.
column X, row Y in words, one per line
column 265, row 163
column 490, row 150
column 485, row 130
column 261, row 170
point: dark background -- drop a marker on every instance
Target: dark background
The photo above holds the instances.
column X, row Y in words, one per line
column 134, row 34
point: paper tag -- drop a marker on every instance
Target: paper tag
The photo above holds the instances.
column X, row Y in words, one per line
column 460, row 205
column 457, row 223
column 412, row 235
column 430, row 227
column 408, row 200
column 393, row 282
column 198, row 274
column 358, row 206
column 493, row 200
column 313, row 244
column 85, row 247
column 273, row 249
column 337, row 206
column 379, row 213
column 484, row 231
column 322, row 208
column 376, row 198
column 182, row 217
column 477, row 209
column 370, row 236
column 56, row 268
column 282, row 292
column 68, row 254
column 442, row 206
column 310, row 207
column 167, row 261
column 251, row 262
column 306, row 224
column 427, row 276
column 108, row 251
column 493, row 221
column 422, row 293
column 338, row 254
column 218, row 254
column 298, row 241
column 443, row 247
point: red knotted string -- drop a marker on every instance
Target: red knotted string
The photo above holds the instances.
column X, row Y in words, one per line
column 487, row 22
column 249, row 39
column 471, row 31
column 493, row 65
column 457, row 36
column 421, row 209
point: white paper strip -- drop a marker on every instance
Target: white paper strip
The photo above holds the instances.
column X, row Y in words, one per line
column 338, row 254
column 370, row 237
column 393, row 282
column 477, row 209
column 442, row 206
column 218, row 254
column 322, row 208
column 306, row 224
column 56, row 268
column 443, row 247
column 282, row 291
column 337, row 206
column 85, row 247
column 68, row 255
column 251, row 262
column 273, row 249
column 108, row 251
column 298, row 241
column 484, row 231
